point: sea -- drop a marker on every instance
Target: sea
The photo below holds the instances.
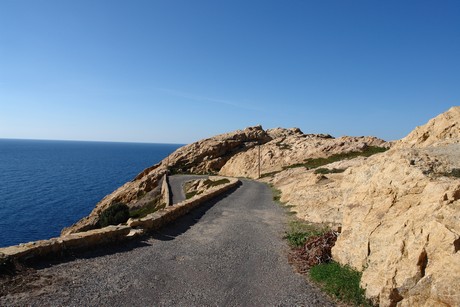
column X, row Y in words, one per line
column 48, row 185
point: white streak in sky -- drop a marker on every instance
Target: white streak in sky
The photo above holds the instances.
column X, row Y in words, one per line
column 208, row 99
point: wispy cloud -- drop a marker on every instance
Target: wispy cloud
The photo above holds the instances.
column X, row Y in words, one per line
column 239, row 105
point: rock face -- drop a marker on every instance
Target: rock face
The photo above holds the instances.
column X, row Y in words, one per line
column 291, row 147
column 401, row 218
column 443, row 129
column 209, row 155
column 316, row 198
column 137, row 193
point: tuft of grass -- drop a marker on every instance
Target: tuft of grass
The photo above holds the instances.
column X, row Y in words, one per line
column 271, row 174
column 283, row 146
column 455, row 172
column 277, row 195
column 329, row 171
column 317, row 162
column 300, row 231
column 189, row 195
column 341, row 282
column 141, row 212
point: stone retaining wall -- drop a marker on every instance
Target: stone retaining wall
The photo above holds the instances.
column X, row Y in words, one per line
column 158, row 219
column 96, row 237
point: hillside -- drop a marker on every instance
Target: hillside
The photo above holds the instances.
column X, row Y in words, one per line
column 398, row 208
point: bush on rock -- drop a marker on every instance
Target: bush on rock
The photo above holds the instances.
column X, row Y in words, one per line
column 114, row 215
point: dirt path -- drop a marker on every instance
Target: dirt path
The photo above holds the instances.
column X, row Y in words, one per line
column 229, row 252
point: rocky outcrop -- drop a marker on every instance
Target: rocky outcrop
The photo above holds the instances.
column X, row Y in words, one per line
column 401, row 218
column 209, row 155
column 443, row 129
column 399, row 212
column 316, row 198
column 292, row 147
column 202, row 157
column 229, row 154
column 136, row 194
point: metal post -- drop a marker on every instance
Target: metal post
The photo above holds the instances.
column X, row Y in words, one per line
column 259, row 161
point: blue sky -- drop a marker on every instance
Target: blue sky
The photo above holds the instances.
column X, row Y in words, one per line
column 177, row 71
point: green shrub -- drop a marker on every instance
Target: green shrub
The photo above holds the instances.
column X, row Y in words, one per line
column 341, row 282
column 114, row 215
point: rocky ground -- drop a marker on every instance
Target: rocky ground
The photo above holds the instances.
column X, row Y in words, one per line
column 398, row 211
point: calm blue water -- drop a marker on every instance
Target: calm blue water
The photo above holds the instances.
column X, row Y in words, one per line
column 48, row 185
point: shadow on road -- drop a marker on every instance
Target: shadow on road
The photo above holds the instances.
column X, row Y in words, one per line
column 167, row 233
column 184, row 223
column 71, row 255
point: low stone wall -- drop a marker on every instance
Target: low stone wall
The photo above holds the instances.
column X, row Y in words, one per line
column 96, row 237
column 57, row 246
column 158, row 219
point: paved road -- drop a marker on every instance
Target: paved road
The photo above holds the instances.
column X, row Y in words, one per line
column 229, row 252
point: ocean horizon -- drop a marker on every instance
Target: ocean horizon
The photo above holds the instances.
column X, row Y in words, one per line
column 46, row 185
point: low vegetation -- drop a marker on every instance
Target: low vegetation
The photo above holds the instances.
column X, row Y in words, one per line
column 142, row 212
column 318, row 162
column 310, row 254
column 276, row 195
column 300, row 231
column 114, row 215
column 271, row 174
column 341, row 282
column 189, row 195
column 283, row 146
column 329, row 171
column 455, row 172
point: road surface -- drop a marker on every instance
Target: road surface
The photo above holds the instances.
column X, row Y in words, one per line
column 228, row 252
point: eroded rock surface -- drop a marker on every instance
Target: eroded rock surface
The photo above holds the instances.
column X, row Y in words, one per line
column 292, row 147
column 316, row 198
column 401, row 219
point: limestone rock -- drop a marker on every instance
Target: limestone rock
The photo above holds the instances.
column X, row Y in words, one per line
column 314, row 197
column 135, row 194
column 292, row 147
column 401, row 218
column 209, row 155
column 443, row 129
